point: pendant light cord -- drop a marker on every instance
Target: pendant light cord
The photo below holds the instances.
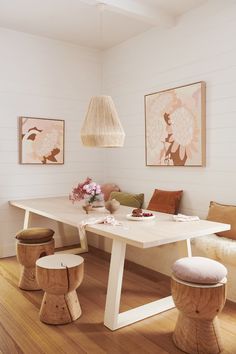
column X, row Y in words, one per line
column 101, row 7
column 102, row 127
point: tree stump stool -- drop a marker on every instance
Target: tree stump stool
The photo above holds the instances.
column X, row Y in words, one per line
column 32, row 244
column 198, row 287
column 59, row 276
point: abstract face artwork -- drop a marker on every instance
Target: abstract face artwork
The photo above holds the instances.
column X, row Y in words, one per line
column 41, row 141
column 175, row 126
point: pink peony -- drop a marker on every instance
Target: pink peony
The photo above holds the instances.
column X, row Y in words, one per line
column 87, row 190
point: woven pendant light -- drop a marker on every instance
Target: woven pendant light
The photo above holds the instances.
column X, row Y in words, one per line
column 102, row 127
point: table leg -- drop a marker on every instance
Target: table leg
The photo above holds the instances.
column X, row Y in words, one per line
column 184, row 248
column 113, row 319
column 114, row 284
column 189, row 248
column 83, row 245
column 83, row 241
column 26, row 219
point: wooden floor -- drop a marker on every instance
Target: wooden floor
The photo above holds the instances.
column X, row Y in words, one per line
column 22, row 332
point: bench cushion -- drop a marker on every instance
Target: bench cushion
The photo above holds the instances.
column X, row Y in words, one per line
column 165, row 201
column 215, row 247
column 128, row 199
column 107, row 188
column 225, row 214
column 35, row 235
column 199, row 270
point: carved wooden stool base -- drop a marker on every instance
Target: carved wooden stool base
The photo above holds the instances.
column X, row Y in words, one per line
column 60, row 309
column 27, row 279
column 197, row 336
column 197, row 330
column 59, row 276
column 27, row 255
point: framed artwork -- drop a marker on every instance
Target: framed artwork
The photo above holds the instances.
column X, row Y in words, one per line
column 175, row 131
column 41, row 141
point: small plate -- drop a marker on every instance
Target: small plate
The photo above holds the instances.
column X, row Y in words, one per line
column 140, row 218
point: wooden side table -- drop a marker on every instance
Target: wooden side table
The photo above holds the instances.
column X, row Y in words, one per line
column 59, row 276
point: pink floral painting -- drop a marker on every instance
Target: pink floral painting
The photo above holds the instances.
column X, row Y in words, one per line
column 175, row 126
column 41, row 141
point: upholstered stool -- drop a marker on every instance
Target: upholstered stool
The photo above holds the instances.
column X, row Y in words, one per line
column 199, row 292
column 32, row 244
column 59, row 276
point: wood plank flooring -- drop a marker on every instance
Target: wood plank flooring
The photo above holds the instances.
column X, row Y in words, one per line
column 22, row 332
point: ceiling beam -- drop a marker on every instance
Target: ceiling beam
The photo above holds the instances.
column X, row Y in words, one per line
column 137, row 9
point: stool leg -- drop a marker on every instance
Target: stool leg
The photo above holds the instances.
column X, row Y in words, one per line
column 195, row 336
column 60, row 309
column 28, row 279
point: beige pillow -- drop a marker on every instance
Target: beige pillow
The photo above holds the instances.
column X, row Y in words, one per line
column 128, row 199
column 225, row 214
column 107, row 188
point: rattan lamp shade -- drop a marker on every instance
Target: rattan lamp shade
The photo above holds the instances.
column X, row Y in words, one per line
column 102, row 127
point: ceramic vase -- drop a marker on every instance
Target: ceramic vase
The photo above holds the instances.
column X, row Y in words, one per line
column 112, row 205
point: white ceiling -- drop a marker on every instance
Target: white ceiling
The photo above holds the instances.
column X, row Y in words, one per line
column 175, row 7
column 79, row 21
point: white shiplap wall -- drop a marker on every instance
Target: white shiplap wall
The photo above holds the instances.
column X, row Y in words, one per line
column 201, row 46
column 40, row 77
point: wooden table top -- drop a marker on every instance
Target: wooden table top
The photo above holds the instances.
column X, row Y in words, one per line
column 143, row 234
column 59, row 261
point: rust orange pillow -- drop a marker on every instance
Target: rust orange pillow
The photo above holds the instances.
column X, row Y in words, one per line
column 225, row 214
column 165, row 201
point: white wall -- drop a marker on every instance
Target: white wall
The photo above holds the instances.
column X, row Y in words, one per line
column 44, row 78
column 201, row 46
column 40, row 77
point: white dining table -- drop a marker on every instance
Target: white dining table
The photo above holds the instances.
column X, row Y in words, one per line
column 142, row 234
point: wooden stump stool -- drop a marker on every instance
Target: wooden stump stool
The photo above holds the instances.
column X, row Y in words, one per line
column 59, row 276
column 199, row 292
column 27, row 255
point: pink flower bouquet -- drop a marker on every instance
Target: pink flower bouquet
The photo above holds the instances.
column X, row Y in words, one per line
column 88, row 190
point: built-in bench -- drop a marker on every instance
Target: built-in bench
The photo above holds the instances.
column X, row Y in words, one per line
column 223, row 250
